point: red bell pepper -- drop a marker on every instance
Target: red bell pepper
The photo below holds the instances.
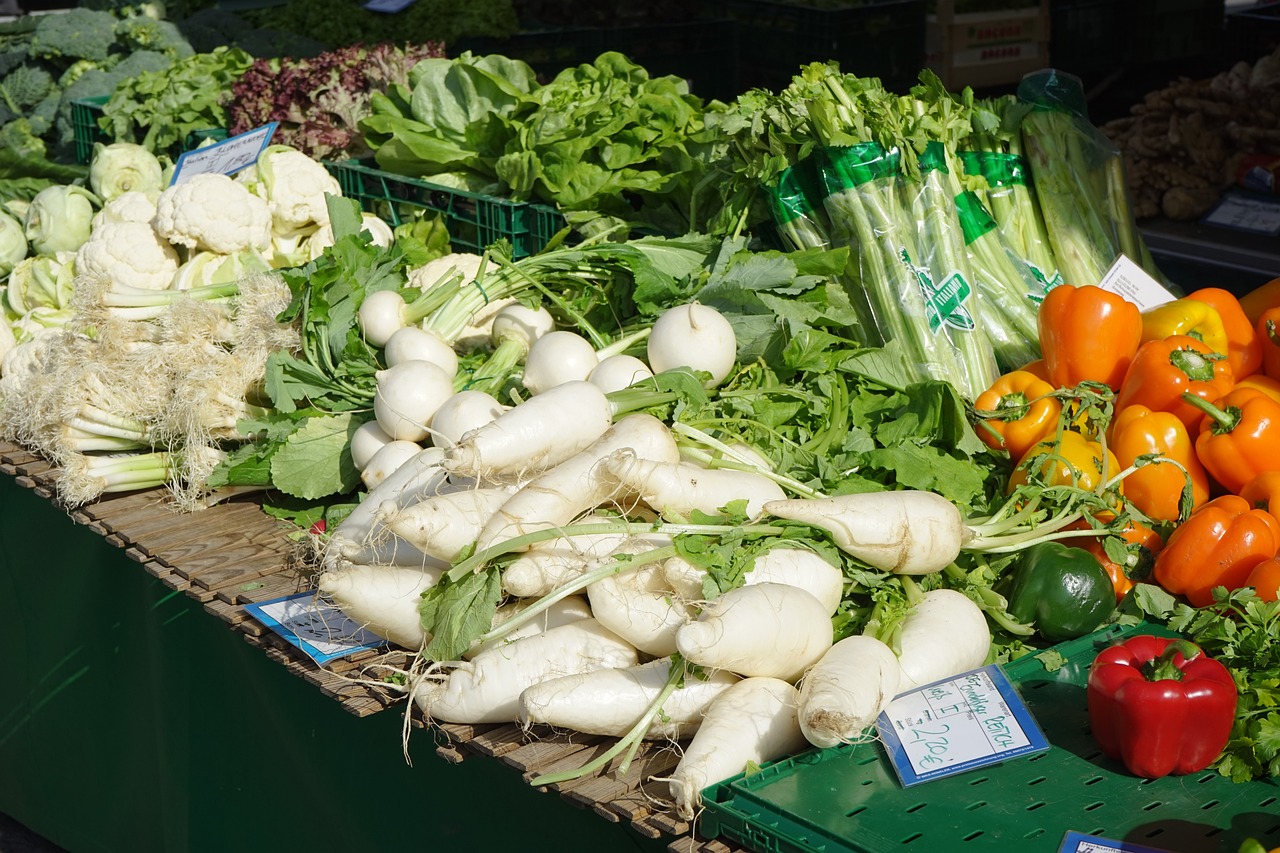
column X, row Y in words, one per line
column 1160, row 705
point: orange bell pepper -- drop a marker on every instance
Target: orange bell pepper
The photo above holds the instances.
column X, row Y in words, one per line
column 1036, row 368
column 1239, row 437
column 1140, row 546
column 1267, row 329
column 1088, row 334
column 1261, row 382
column 1265, row 579
column 1162, row 371
column 1191, row 317
column 1158, row 488
column 1018, row 410
column 1263, row 492
column 1219, row 545
column 1244, row 350
column 1261, row 298
column 1069, row 459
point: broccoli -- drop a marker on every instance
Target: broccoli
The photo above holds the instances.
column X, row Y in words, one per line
column 17, row 136
column 144, row 33
column 44, row 113
column 24, row 87
column 12, row 57
column 74, row 34
column 141, row 62
column 76, row 70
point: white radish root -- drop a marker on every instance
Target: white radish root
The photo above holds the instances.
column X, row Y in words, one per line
column 845, row 691
column 442, row 525
column 555, row 562
column 766, row 629
column 679, row 488
column 562, row 612
column 641, row 608
column 943, row 635
column 750, row 723
column 797, row 567
column 384, row 599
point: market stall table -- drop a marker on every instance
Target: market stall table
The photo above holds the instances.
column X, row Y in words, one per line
column 131, row 720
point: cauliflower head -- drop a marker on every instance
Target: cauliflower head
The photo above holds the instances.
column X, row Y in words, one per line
column 211, row 212
column 130, row 255
column 132, row 206
column 294, row 187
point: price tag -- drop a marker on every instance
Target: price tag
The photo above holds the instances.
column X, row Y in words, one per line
column 388, row 6
column 226, row 157
column 958, row 724
column 1135, row 284
column 1246, row 213
column 1078, row 842
column 318, row 628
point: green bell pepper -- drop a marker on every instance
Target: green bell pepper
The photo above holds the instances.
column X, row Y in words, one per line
column 1063, row 590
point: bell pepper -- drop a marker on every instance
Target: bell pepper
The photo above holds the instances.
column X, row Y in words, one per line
column 1244, row 350
column 1239, row 437
column 1265, row 579
column 1140, row 545
column 1036, row 368
column 1218, row 545
column 1157, row 488
column 1162, row 371
column 1188, row 317
column 1087, row 334
column 1261, row 298
column 1160, row 705
column 1063, row 592
column 1071, row 460
column 1261, row 382
column 1019, row 410
column 1267, row 329
column 1263, row 492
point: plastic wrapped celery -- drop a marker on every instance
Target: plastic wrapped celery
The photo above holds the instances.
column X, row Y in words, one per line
column 1079, row 179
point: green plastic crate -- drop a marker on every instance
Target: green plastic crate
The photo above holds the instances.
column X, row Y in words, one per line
column 474, row 221
column 876, row 38
column 85, row 113
column 849, row 799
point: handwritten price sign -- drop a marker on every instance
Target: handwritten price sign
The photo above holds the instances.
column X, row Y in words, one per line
column 958, row 724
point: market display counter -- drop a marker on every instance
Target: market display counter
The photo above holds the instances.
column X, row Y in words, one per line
column 133, row 719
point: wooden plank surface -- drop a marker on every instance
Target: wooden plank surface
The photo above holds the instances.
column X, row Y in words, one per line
column 234, row 554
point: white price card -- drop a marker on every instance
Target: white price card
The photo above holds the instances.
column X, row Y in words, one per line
column 1258, row 215
column 1135, row 284
column 971, row 720
column 226, row 157
column 315, row 626
column 1078, row 842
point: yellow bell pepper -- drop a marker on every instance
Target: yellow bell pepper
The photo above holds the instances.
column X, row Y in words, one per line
column 1189, row 317
column 1071, row 460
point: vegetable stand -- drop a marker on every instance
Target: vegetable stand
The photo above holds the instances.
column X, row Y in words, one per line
column 131, row 720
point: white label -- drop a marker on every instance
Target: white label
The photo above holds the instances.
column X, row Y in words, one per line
column 1079, row 842
column 958, row 724
column 1135, row 284
column 315, row 626
column 388, row 6
column 1259, row 216
column 226, row 157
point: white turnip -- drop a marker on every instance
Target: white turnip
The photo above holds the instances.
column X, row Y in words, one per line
column 366, row 441
column 386, row 459
column 617, row 372
column 415, row 344
column 695, row 336
column 556, row 358
column 408, row 396
column 461, row 413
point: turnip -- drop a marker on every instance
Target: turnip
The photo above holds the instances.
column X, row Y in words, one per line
column 906, row 531
column 538, row 434
column 556, row 358
column 617, row 372
column 695, row 336
column 384, row 599
column 414, row 344
column 461, row 413
column 640, row 608
column 365, row 442
column 765, row 629
column 386, row 460
column 751, row 722
column 845, row 691
column 610, row 701
column 381, row 315
column 408, row 396
column 443, row 525
column 563, row 612
column 579, row 483
column 944, row 634
column 362, row 538
column 487, row 688
column 798, row 567
column 678, row 488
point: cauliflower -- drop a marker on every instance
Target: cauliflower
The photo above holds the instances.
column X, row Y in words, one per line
column 375, row 226
column 294, row 187
column 212, row 212
column 130, row 254
column 433, row 271
column 132, row 206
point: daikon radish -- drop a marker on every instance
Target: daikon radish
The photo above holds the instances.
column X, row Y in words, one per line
column 681, row 487
column 384, row 599
column 943, row 635
column 845, row 691
column 640, row 607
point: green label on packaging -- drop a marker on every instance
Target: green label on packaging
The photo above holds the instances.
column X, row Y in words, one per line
column 854, row 165
column 1047, row 283
column 933, row 158
column 943, row 303
column 974, row 218
column 788, row 200
column 1004, row 170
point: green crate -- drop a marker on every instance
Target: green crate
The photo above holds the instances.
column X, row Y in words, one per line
column 547, row 222
column 85, row 113
column 878, row 38
column 849, row 798
column 474, row 221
